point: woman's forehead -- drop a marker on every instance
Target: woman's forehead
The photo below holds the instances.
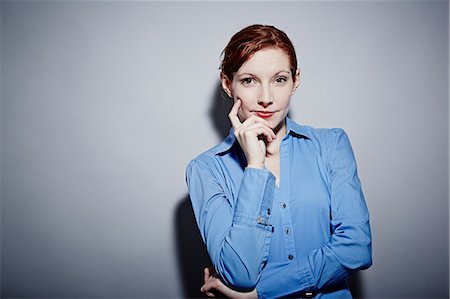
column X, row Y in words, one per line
column 267, row 60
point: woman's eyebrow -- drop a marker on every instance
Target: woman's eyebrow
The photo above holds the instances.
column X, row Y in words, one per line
column 246, row 74
column 253, row 75
column 280, row 72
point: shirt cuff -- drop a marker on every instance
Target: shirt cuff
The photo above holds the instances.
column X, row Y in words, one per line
column 308, row 283
column 254, row 201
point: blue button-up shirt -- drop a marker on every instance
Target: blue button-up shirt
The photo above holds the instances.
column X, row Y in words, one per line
column 306, row 235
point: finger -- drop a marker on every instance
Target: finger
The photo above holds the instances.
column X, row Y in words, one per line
column 226, row 291
column 206, row 274
column 268, row 132
column 250, row 122
column 256, row 119
column 233, row 115
column 255, row 130
column 207, row 293
column 210, row 287
column 223, row 289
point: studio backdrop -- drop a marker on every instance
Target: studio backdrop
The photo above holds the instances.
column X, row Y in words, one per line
column 103, row 104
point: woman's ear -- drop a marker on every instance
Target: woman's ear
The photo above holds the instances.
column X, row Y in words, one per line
column 296, row 80
column 226, row 85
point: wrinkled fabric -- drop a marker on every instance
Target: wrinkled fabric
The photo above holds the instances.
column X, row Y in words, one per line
column 306, row 235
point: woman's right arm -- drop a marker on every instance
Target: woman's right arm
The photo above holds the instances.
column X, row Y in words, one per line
column 235, row 227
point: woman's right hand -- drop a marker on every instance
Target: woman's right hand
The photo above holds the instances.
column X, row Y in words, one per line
column 252, row 134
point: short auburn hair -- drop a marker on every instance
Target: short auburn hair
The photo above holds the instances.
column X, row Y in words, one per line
column 250, row 40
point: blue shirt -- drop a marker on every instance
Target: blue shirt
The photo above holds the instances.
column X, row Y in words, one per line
column 306, row 235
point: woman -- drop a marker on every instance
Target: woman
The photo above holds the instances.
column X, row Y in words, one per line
column 279, row 205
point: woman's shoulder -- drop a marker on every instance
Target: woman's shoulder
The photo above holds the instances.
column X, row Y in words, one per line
column 321, row 135
column 211, row 155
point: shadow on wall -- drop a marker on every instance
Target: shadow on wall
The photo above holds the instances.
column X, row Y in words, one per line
column 221, row 106
column 192, row 254
column 191, row 251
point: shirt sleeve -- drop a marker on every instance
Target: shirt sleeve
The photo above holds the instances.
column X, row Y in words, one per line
column 235, row 228
column 349, row 247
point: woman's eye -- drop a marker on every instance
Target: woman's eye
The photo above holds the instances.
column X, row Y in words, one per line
column 281, row 79
column 246, row 81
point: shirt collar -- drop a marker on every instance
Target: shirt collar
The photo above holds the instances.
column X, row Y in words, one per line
column 292, row 128
column 297, row 130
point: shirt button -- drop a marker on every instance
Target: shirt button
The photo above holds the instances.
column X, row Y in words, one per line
column 290, row 257
column 268, row 211
column 283, row 205
column 287, row 231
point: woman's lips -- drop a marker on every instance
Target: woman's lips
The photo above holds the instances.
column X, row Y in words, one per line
column 264, row 114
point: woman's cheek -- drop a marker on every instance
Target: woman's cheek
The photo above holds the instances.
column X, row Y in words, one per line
column 248, row 98
column 243, row 114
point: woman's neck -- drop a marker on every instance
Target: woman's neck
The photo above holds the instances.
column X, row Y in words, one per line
column 273, row 148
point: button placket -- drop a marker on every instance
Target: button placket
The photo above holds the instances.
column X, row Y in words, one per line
column 283, row 203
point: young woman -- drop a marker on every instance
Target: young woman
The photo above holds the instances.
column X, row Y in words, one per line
column 279, row 205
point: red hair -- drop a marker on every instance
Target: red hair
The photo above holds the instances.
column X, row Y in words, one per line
column 250, row 40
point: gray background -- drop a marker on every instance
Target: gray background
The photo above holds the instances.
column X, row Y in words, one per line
column 104, row 103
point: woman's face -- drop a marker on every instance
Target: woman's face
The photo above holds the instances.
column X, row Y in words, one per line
column 264, row 84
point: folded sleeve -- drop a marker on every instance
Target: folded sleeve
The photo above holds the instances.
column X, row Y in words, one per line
column 349, row 246
column 235, row 227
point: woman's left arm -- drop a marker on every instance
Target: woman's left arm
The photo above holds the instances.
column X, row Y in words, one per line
column 349, row 247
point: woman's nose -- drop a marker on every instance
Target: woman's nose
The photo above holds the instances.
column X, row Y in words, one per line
column 265, row 98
